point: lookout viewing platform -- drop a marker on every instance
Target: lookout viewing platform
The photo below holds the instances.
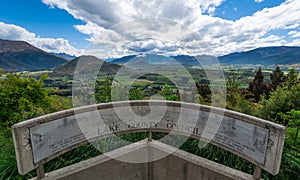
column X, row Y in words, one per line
column 44, row 138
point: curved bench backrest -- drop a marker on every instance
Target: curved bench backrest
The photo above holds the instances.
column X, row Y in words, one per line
column 43, row 138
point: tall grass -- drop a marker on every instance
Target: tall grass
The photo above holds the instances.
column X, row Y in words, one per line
column 8, row 167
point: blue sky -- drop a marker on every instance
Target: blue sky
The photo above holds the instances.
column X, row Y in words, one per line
column 115, row 28
column 42, row 20
column 235, row 9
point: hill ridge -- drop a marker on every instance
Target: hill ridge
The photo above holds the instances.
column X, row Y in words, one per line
column 20, row 56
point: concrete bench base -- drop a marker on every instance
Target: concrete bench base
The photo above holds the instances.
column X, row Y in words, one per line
column 179, row 165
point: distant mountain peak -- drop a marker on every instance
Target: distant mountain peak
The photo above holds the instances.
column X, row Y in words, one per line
column 16, row 46
column 65, row 56
column 265, row 56
column 91, row 65
column 20, row 56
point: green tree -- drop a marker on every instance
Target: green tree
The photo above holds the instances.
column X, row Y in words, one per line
column 292, row 78
column 277, row 78
column 283, row 100
column 258, row 87
column 103, row 90
column 278, row 108
column 235, row 100
column 135, row 94
column 293, row 119
column 204, row 91
column 167, row 92
column 22, row 98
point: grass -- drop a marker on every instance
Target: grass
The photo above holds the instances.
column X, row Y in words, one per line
column 290, row 166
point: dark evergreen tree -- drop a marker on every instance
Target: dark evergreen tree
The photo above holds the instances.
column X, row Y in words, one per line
column 258, row 87
column 259, row 76
column 203, row 89
column 277, row 78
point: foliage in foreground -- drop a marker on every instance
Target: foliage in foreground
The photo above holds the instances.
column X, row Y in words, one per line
column 30, row 99
column 23, row 98
column 283, row 107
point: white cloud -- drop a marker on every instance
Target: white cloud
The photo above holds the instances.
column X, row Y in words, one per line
column 57, row 45
column 13, row 32
column 258, row 1
column 110, row 12
column 295, row 34
column 279, row 17
column 126, row 25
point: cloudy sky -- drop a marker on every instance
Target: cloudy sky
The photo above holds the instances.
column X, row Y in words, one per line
column 111, row 28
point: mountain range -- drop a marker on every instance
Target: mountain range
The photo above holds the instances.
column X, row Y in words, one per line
column 266, row 56
column 20, row 55
column 280, row 55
